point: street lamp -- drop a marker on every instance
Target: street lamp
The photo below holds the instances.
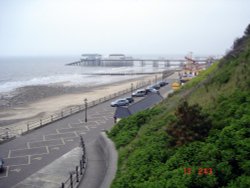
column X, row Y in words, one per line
column 132, row 87
column 86, row 108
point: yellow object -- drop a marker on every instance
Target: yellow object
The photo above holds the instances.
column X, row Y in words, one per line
column 175, row 86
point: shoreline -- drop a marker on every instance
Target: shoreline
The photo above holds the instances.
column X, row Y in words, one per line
column 47, row 99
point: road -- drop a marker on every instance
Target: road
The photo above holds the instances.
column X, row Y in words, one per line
column 29, row 153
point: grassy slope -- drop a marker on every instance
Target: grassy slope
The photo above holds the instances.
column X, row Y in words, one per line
column 145, row 156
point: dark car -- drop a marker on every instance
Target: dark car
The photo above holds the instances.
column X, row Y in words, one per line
column 162, row 83
column 156, row 86
column 1, row 165
column 130, row 99
column 120, row 102
column 152, row 90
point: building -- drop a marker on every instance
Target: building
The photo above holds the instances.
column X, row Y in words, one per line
column 91, row 57
column 117, row 56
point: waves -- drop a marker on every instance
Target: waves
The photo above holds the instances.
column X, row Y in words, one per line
column 62, row 80
column 74, row 79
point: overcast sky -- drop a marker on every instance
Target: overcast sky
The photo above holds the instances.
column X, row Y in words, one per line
column 73, row 27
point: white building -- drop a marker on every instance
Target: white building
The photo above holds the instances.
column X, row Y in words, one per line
column 91, row 57
column 117, row 56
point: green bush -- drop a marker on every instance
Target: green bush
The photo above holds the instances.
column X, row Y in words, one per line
column 147, row 159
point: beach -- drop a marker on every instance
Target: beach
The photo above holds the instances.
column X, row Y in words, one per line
column 36, row 102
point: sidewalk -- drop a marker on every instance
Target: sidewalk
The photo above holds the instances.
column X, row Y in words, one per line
column 102, row 163
column 54, row 173
column 99, row 173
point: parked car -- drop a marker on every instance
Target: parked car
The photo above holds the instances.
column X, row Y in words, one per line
column 162, row 83
column 1, row 165
column 152, row 90
column 139, row 93
column 120, row 102
column 130, row 99
column 156, row 86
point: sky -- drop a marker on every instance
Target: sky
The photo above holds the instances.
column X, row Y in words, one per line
column 73, row 27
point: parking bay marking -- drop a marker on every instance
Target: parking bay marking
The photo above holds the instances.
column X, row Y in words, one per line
column 16, row 170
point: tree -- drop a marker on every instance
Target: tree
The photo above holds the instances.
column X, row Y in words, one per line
column 247, row 31
column 191, row 124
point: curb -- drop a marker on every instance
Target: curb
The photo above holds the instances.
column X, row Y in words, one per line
column 111, row 157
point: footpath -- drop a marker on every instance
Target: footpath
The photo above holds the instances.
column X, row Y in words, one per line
column 99, row 172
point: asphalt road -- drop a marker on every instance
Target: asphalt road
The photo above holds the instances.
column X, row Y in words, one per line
column 29, row 153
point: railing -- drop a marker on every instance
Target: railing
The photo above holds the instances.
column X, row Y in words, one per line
column 8, row 133
column 78, row 173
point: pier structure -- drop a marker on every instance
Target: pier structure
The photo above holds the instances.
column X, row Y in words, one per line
column 122, row 60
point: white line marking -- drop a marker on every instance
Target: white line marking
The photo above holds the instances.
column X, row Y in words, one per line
column 16, row 170
column 37, row 158
column 29, row 159
column 55, row 148
column 19, row 165
column 63, row 141
column 27, row 148
column 69, row 140
column 28, row 145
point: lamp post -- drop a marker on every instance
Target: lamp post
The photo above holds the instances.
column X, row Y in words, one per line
column 86, row 108
column 132, row 87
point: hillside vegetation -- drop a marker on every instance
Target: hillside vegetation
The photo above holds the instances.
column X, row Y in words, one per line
column 198, row 138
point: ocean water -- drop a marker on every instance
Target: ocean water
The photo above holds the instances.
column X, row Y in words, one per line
column 27, row 71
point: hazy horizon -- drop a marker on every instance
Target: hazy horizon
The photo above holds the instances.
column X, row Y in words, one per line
column 164, row 27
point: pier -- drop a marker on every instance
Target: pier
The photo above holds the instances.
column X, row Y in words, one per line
column 122, row 60
column 131, row 62
column 133, row 73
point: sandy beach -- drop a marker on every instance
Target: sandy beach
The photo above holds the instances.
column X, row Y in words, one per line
column 35, row 102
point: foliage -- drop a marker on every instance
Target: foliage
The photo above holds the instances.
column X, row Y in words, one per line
column 126, row 129
column 191, row 124
column 247, row 31
column 146, row 158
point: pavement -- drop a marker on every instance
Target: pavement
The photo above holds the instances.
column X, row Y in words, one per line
column 98, row 173
column 34, row 152
column 102, row 163
column 53, row 174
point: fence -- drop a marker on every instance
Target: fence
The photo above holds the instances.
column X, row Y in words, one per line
column 8, row 133
column 76, row 175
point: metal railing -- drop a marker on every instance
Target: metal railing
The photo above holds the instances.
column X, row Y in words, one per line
column 78, row 173
column 8, row 133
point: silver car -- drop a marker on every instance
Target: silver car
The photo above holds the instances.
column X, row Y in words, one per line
column 139, row 93
column 120, row 102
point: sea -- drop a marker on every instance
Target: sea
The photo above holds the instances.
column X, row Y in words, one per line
column 16, row 72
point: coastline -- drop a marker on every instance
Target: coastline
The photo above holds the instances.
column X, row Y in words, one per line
column 35, row 102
